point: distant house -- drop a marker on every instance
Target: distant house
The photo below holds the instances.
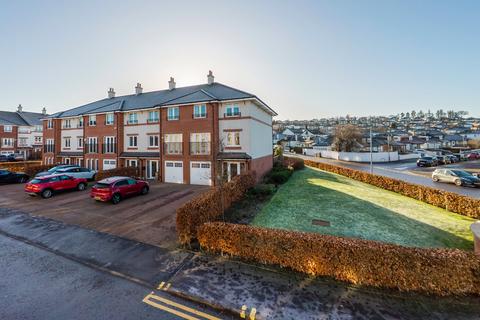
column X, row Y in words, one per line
column 453, row 140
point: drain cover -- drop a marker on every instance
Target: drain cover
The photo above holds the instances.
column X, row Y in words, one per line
column 322, row 223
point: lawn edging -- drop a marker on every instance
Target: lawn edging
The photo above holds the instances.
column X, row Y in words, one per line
column 210, row 206
column 364, row 262
column 450, row 201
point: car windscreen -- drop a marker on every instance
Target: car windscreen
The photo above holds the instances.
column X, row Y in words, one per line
column 460, row 173
column 101, row 185
column 426, row 158
column 37, row 181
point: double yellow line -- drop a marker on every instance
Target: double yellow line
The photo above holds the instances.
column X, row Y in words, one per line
column 180, row 310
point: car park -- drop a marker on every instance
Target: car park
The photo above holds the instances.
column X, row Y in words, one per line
column 46, row 186
column 452, row 158
column 7, row 176
column 78, row 172
column 427, row 162
column 115, row 189
column 55, row 169
column 458, row 177
column 443, row 160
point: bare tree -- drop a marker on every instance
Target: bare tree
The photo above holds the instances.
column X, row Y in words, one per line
column 346, row 137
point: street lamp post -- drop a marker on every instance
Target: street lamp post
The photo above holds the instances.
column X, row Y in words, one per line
column 371, row 146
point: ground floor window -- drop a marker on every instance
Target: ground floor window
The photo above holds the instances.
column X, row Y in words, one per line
column 132, row 163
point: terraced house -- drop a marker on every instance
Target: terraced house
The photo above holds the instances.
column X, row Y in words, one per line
column 194, row 135
column 21, row 133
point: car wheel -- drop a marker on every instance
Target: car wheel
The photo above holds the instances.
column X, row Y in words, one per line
column 47, row 193
column 435, row 179
column 116, row 198
column 81, row 186
column 144, row 191
column 458, row 182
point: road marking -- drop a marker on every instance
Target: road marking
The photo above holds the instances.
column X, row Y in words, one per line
column 160, row 286
column 253, row 313
column 163, row 304
column 242, row 313
column 166, row 287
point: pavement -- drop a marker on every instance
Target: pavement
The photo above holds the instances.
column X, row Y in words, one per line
column 406, row 171
column 54, row 270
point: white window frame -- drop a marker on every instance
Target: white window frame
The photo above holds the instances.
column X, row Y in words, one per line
column 173, row 143
column 109, row 143
column 233, row 139
column 67, row 124
column 155, row 117
column 132, row 141
column 67, row 142
column 92, row 144
column 232, row 108
column 153, row 141
column 108, row 121
column 173, row 113
column 132, row 118
column 50, row 124
column 92, row 120
column 80, row 122
column 130, row 163
column 199, row 111
column 7, row 128
column 80, row 142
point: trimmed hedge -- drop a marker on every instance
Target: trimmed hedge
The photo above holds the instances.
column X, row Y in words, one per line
column 32, row 170
column 209, row 206
column 433, row 271
column 450, row 201
column 27, row 167
column 124, row 172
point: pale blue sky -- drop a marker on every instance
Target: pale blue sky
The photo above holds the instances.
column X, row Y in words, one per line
column 305, row 59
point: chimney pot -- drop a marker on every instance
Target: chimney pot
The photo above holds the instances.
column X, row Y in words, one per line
column 19, row 109
column 44, row 111
column 138, row 89
column 210, row 77
column 171, row 84
column 111, row 93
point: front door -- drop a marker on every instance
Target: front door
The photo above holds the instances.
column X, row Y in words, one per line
column 232, row 169
column 152, row 169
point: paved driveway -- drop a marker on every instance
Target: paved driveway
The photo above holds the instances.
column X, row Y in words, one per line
column 149, row 218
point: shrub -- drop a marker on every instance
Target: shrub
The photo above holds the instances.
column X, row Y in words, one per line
column 263, row 190
column 278, row 176
column 433, row 271
column 443, row 199
column 31, row 171
column 125, row 171
column 295, row 163
column 210, row 206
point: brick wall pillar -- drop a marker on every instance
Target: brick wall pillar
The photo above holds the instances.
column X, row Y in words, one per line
column 475, row 227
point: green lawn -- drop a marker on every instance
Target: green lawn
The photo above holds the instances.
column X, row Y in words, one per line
column 359, row 210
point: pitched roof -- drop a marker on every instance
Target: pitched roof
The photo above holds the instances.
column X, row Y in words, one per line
column 20, row 118
column 182, row 95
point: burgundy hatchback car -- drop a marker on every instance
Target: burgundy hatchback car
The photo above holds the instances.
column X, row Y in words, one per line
column 117, row 188
column 45, row 186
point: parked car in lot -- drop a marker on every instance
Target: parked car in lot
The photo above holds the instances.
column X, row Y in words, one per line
column 452, row 158
column 427, row 162
column 78, row 172
column 7, row 158
column 459, row 177
column 55, row 169
column 7, row 176
column 117, row 188
column 46, row 186
column 443, row 160
column 473, row 156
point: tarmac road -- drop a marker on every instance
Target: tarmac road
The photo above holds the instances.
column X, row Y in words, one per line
column 407, row 171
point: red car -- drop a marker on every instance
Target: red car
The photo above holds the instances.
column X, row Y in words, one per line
column 473, row 156
column 117, row 188
column 46, row 186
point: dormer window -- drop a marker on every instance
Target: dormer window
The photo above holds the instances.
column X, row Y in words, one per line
column 232, row 111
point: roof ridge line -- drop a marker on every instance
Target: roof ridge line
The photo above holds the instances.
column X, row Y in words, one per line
column 209, row 94
column 185, row 95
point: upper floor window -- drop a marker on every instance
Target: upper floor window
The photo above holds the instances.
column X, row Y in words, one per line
column 80, row 122
column 109, row 145
column 38, row 139
column 80, row 142
column 173, row 113
column 7, row 128
column 152, row 116
column 66, row 142
column 92, row 145
column 49, row 123
column 38, row 128
column 132, row 141
column 22, row 141
column 7, row 142
column 109, row 119
column 232, row 110
column 173, row 143
column 233, row 139
column 153, row 141
column 200, row 111
column 132, row 118
column 92, row 120
column 67, row 124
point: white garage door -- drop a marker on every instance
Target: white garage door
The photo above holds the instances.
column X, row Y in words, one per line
column 174, row 171
column 109, row 164
column 200, row 173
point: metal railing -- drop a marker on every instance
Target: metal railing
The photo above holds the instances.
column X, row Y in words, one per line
column 109, row 148
column 200, row 148
column 173, row 148
column 48, row 148
column 91, row 147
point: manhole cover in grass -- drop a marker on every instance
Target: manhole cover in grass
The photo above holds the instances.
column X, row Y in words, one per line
column 323, row 223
